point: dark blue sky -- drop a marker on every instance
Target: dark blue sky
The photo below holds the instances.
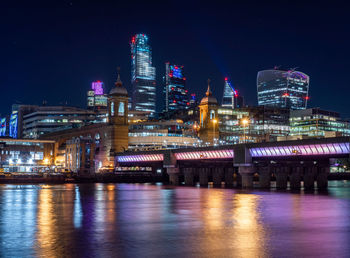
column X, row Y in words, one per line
column 52, row 50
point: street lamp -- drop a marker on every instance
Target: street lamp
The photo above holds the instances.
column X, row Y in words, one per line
column 214, row 124
column 245, row 123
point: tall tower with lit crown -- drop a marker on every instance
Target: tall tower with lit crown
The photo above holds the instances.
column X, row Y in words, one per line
column 209, row 121
column 143, row 75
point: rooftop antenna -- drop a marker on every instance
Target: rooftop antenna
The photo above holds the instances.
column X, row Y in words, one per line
column 293, row 69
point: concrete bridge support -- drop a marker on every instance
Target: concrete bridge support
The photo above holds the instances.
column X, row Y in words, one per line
column 295, row 177
column 217, row 176
column 281, row 174
column 203, row 176
column 309, row 177
column 229, row 177
column 173, row 173
column 322, row 177
column 264, row 177
column 247, row 173
column 189, row 176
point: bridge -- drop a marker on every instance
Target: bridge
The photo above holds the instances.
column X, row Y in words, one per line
column 306, row 161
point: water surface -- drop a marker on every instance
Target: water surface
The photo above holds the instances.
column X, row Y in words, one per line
column 141, row 220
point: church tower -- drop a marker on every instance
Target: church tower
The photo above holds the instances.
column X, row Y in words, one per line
column 209, row 121
column 118, row 118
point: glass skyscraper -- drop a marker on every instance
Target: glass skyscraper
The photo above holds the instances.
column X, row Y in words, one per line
column 176, row 96
column 143, row 74
column 283, row 89
column 230, row 96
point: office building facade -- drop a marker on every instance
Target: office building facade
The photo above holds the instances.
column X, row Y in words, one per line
column 314, row 122
column 143, row 75
column 176, row 95
column 31, row 121
column 283, row 89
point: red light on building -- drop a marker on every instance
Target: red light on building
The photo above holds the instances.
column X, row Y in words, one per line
column 188, row 103
column 307, row 97
column 285, row 95
column 172, row 88
column 226, row 78
column 174, row 101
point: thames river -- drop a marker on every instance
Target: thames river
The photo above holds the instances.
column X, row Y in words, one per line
column 144, row 220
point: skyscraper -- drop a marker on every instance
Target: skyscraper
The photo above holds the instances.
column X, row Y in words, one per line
column 283, row 89
column 230, row 96
column 176, row 96
column 143, row 74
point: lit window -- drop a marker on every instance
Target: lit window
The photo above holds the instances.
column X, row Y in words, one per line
column 121, row 109
column 112, row 108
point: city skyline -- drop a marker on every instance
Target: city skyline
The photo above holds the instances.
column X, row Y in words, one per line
column 70, row 66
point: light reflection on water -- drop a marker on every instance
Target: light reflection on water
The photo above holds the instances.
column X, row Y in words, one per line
column 140, row 220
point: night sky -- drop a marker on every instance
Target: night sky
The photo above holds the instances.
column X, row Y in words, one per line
column 53, row 50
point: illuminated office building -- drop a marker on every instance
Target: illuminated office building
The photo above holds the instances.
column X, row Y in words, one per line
column 32, row 121
column 176, row 96
column 283, row 89
column 3, row 126
column 264, row 124
column 26, row 155
column 314, row 122
column 230, row 98
column 143, row 75
column 96, row 98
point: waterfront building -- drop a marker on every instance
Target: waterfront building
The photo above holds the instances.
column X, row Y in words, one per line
column 169, row 134
column 96, row 98
column 26, row 155
column 252, row 124
column 315, row 122
column 230, row 97
column 208, row 119
column 283, row 89
column 46, row 119
column 32, row 121
column 176, row 95
column 91, row 148
column 143, row 75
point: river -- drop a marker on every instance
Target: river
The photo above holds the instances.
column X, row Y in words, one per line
column 144, row 220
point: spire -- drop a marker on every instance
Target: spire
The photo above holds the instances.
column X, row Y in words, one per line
column 118, row 82
column 208, row 93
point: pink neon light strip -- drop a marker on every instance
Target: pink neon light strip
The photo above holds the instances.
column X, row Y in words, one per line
column 138, row 158
column 217, row 154
column 315, row 149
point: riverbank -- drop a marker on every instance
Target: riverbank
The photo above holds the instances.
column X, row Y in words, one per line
column 109, row 178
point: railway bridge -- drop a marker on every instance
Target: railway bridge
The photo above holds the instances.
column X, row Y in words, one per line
column 306, row 161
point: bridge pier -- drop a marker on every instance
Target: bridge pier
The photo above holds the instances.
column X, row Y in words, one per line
column 203, row 176
column 295, row 177
column 229, row 177
column 281, row 174
column 217, row 176
column 309, row 177
column 189, row 176
column 322, row 177
column 247, row 173
column 264, row 177
column 173, row 173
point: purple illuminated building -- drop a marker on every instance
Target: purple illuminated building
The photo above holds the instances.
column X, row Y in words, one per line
column 96, row 99
column 97, row 87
